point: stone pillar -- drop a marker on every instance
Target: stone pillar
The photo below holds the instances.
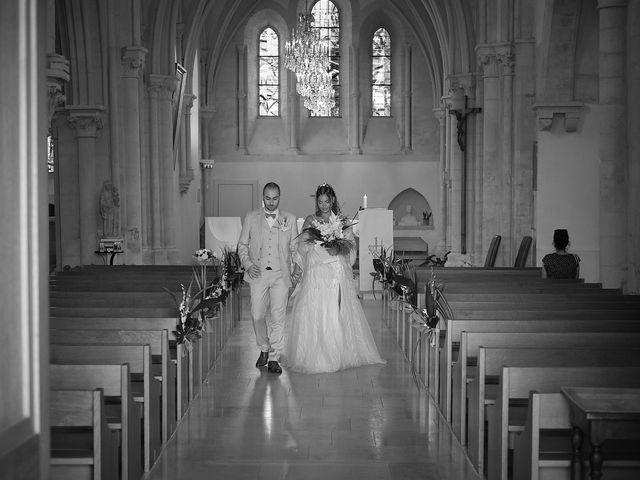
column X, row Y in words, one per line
column 455, row 185
column 478, row 226
column 491, row 141
column 406, row 99
column 86, row 120
column 441, row 115
column 613, row 143
column 242, row 99
column 163, row 201
column 504, row 55
column 355, row 103
column 293, row 107
column 132, row 64
column 207, row 188
column 206, row 114
column 186, row 169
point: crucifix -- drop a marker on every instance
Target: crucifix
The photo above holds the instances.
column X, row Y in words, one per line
column 461, row 124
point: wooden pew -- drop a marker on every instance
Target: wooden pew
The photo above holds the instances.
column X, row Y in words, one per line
column 544, row 449
column 471, row 342
column 443, row 354
column 509, row 412
column 123, row 415
column 82, row 446
column 147, row 388
column 482, row 390
column 180, row 355
column 162, row 366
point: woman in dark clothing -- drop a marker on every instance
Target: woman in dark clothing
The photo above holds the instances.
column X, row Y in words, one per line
column 560, row 264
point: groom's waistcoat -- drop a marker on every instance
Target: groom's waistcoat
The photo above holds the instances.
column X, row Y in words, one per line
column 270, row 247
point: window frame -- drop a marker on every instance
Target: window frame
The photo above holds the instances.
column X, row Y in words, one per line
column 259, row 84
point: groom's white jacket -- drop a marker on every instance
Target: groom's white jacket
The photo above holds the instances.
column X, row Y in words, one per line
column 250, row 242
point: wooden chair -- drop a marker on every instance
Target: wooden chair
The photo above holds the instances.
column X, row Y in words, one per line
column 82, row 446
column 508, row 416
column 544, row 449
column 492, row 253
column 523, row 252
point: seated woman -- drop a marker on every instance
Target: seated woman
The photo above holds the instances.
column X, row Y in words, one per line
column 561, row 264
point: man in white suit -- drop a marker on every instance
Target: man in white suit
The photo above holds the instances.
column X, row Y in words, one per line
column 267, row 240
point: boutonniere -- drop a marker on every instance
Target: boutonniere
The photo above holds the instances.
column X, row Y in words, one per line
column 283, row 224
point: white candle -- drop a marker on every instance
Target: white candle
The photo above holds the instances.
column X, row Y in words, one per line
column 364, row 201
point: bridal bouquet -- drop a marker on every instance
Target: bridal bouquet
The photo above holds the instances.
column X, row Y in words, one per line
column 331, row 234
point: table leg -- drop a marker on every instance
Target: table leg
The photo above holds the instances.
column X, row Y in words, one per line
column 576, row 460
column 596, row 462
column 113, row 255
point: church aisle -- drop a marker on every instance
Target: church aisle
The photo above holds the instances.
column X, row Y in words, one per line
column 369, row 422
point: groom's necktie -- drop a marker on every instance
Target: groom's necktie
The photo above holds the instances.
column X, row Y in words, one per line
column 270, row 215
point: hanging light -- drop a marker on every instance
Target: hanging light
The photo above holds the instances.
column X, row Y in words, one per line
column 307, row 55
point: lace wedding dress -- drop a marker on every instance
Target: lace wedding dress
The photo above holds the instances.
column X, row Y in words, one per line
column 327, row 330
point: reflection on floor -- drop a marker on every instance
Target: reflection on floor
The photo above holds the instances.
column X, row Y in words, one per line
column 364, row 423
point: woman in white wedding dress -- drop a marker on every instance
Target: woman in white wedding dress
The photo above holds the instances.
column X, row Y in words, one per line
column 328, row 330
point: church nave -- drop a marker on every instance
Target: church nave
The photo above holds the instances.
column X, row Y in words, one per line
column 369, row 422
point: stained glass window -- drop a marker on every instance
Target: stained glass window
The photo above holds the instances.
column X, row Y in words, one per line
column 381, row 74
column 326, row 18
column 269, row 74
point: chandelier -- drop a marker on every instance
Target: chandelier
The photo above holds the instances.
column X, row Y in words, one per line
column 307, row 55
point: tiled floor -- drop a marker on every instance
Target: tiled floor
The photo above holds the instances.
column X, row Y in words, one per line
column 366, row 423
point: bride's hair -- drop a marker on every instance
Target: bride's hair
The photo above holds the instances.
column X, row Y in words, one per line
column 326, row 189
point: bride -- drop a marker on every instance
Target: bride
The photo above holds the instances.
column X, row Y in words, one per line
column 328, row 330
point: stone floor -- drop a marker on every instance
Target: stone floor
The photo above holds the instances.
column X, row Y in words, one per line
column 365, row 423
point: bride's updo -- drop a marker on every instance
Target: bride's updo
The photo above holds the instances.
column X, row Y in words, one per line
column 326, row 189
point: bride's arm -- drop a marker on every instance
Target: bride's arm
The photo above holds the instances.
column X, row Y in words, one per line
column 348, row 235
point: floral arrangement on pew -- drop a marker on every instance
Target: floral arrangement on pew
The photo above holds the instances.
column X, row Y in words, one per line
column 402, row 279
column 212, row 291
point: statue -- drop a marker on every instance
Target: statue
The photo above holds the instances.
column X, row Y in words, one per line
column 109, row 200
column 409, row 219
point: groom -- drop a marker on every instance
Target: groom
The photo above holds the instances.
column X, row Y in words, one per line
column 266, row 242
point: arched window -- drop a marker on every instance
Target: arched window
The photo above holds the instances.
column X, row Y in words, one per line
column 326, row 18
column 381, row 74
column 269, row 74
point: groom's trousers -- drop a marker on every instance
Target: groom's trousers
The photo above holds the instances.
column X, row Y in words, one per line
column 269, row 290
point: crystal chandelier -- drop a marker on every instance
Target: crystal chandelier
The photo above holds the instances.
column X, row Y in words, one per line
column 307, row 55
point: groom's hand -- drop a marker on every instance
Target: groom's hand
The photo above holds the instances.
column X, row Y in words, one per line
column 254, row 272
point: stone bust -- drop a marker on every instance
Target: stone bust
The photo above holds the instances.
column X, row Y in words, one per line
column 409, row 220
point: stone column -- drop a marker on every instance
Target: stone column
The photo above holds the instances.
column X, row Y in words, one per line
column 613, row 143
column 242, row 99
column 186, row 169
column 293, row 107
column 478, row 226
column 406, row 99
column 355, row 103
column 163, row 201
column 441, row 115
column 206, row 114
column 207, row 188
column 505, row 57
column 86, row 120
column 132, row 64
column 491, row 140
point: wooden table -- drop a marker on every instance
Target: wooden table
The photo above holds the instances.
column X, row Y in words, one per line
column 602, row 414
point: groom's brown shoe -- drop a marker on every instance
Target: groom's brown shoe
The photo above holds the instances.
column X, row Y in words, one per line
column 262, row 359
column 274, row 367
